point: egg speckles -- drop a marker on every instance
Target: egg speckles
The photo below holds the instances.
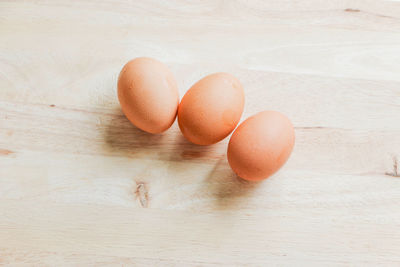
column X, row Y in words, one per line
column 211, row 109
column 148, row 94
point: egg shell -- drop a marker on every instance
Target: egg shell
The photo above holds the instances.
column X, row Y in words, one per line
column 148, row 94
column 261, row 145
column 211, row 108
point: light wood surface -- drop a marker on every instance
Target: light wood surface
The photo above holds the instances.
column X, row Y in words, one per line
column 80, row 186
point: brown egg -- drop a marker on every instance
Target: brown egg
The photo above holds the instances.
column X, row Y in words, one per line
column 261, row 145
column 211, row 109
column 148, row 94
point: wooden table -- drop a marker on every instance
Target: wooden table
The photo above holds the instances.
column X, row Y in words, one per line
column 79, row 185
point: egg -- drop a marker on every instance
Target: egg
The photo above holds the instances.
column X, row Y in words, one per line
column 211, row 109
column 148, row 94
column 261, row 145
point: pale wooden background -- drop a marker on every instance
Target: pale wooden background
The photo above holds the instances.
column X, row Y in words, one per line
column 81, row 186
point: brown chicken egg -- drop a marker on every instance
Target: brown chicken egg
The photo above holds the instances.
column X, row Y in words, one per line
column 261, row 145
column 148, row 94
column 211, row 109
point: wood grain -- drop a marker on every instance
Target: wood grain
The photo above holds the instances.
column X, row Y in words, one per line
column 81, row 186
